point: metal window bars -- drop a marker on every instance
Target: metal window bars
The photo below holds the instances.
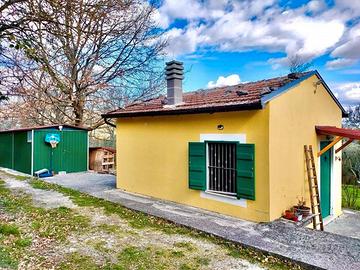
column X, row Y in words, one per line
column 222, row 168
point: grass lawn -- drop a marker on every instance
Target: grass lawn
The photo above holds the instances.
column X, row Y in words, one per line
column 97, row 234
column 351, row 197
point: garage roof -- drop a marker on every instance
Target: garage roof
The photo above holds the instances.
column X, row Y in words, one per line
column 43, row 127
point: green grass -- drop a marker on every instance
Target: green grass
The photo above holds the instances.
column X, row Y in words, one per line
column 6, row 260
column 78, row 261
column 140, row 220
column 23, row 242
column 185, row 245
column 8, row 229
column 60, row 222
column 54, row 223
column 140, row 258
column 20, row 177
column 351, row 197
column 135, row 219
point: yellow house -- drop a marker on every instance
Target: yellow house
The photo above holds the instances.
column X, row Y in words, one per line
column 236, row 150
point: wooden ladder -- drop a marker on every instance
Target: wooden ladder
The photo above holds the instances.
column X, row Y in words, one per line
column 314, row 188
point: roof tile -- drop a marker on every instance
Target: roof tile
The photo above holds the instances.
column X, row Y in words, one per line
column 242, row 94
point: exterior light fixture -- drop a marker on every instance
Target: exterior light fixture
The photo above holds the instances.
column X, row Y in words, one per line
column 220, row 127
column 316, row 84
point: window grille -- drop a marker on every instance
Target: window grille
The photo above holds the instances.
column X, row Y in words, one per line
column 222, row 168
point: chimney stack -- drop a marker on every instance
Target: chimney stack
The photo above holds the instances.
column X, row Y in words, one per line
column 174, row 76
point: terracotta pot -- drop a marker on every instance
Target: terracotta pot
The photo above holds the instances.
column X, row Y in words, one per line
column 303, row 210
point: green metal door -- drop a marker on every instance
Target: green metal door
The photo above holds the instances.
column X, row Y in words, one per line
column 70, row 154
column 6, row 150
column 22, row 152
column 325, row 180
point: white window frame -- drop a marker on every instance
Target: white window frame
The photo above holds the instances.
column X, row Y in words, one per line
column 208, row 172
column 241, row 138
column 332, row 182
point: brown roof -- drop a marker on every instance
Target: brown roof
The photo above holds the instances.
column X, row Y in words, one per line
column 43, row 127
column 243, row 96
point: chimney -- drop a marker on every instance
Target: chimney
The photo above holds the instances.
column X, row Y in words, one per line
column 174, row 76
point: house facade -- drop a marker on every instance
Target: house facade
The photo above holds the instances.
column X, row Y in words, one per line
column 235, row 150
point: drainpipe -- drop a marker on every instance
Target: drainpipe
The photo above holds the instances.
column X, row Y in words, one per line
column 109, row 123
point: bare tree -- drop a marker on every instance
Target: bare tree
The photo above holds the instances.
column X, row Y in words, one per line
column 353, row 121
column 85, row 57
column 12, row 17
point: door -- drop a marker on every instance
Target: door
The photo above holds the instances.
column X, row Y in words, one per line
column 325, row 180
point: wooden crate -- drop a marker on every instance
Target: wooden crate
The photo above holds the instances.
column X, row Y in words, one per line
column 102, row 159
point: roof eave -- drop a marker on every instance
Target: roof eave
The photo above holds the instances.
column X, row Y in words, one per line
column 225, row 108
column 266, row 98
column 345, row 114
column 335, row 131
column 44, row 127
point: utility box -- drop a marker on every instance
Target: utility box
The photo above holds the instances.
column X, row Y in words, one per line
column 56, row 148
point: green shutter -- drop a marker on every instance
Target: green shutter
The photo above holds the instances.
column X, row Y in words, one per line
column 197, row 165
column 245, row 167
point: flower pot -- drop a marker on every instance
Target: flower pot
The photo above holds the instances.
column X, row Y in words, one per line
column 302, row 210
column 289, row 214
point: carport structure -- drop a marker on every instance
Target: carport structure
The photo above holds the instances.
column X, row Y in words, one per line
column 323, row 192
column 341, row 133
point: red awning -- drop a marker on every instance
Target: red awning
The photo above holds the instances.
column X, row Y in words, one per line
column 351, row 134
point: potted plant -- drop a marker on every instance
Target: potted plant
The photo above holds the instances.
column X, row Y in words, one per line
column 301, row 208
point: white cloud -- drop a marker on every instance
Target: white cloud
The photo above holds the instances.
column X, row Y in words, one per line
column 316, row 6
column 225, row 81
column 227, row 25
column 340, row 63
column 348, row 53
column 348, row 93
column 182, row 41
column 350, row 5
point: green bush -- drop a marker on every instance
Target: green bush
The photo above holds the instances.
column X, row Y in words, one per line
column 351, row 176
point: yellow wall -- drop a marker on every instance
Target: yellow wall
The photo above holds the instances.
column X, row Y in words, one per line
column 152, row 157
column 152, row 152
column 293, row 117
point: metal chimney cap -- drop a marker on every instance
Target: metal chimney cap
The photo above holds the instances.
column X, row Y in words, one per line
column 174, row 62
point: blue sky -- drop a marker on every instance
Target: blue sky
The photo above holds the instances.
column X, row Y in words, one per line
column 223, row 42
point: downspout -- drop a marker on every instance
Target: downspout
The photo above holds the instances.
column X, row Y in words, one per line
column 109, row 123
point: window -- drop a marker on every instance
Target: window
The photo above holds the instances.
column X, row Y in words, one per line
column 226, row 168
column 221, row 160
column 29, row 136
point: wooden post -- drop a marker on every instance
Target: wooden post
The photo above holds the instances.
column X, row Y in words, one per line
column 335, row 141
column 343, row 146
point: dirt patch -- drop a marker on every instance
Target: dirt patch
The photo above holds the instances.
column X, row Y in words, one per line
column 113, row 234
column 41, row 198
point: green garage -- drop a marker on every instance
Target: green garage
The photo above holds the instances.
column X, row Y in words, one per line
column 56, row 148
